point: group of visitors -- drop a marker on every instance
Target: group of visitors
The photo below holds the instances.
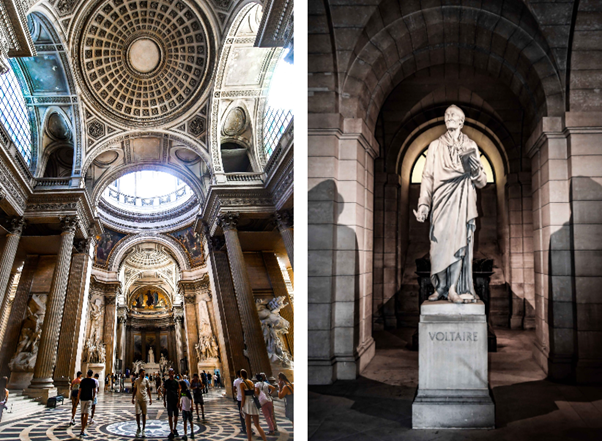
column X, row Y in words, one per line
column 85, row 391
column 251, row 397
column 179, row 394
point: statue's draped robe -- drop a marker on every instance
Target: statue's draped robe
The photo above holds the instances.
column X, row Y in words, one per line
column 449, row 190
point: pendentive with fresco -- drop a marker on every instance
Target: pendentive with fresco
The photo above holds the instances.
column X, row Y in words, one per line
column 146, row 201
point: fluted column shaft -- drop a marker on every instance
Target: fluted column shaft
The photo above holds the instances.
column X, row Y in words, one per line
column 192, row 328
column 7, row 305
column 6, row 264
column 284, row 220
column 42, row 376
column 253, row 334
column 108, row 338
column 70, row 345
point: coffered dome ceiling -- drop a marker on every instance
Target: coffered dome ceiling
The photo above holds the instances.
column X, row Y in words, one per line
column 144, row 62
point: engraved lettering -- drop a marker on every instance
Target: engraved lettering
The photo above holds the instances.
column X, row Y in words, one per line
column 439, row 334
column 469, row 337
column 474, row 336
column 432, row 335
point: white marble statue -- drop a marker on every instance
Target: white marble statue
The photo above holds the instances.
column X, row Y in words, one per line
column 137, row 365
column 26, row 354
column 452, row 173
column 95, row 313
column 151, row 356
column 274, row 327
column 94, row 351
column 162, row 363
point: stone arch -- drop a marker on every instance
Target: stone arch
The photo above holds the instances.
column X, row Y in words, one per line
column 400, row 38
column 46, row 18
column 240, row 34
column 54, row 145
column 121, row 250
column 151, row 287
column 115, row 142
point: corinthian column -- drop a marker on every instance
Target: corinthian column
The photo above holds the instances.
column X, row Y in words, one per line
column 73, row 324
column 6, row 264
column 255, row 349
column 284, row 221
column 190, row 323
column 42, row 385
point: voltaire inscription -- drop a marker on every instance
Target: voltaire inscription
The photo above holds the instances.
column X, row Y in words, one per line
column 453, row 336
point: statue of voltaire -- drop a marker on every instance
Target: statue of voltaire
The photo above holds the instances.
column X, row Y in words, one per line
column 451, row 175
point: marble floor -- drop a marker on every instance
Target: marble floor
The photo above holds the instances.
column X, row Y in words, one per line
column 378, row 405
column 115, row 420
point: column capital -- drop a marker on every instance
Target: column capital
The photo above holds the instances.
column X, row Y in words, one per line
column 69, row 224
column 110, row 300
column 284, row 219
column 17, row 225
column 228, row 221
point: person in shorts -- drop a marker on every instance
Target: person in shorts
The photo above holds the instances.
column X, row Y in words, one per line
column 95, row 402
column 74, row 391
column 171, row 397
column 185, row 405
column 197, row 394
column 141, row 398
column 85, row 395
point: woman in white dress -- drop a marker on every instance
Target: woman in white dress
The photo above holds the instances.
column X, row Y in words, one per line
column 249, row 409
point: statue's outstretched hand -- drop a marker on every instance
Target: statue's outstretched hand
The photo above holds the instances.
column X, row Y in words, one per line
column 422, row 213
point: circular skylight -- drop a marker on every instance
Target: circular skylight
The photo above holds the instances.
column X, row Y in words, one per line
column 147, row 191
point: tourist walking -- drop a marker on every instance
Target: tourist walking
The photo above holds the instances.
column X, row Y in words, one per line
column 158, row 384
column 249, row 408
column 204, row 380
column 185, row 405
column 3, row 395
column 85, row 395
column 197, row 394
column 74, row 391
column 264, row 390
column 238, row 392
column 285, row 391
column 171, row 396
column 141, row 398
column 95, row 401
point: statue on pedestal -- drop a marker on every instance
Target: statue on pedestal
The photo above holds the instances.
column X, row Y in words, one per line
column 151, row 356
column 162, row 363
column 274, row 327
column 26, row 354
column 452, row 173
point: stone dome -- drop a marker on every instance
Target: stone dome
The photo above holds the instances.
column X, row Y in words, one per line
column 144, row 62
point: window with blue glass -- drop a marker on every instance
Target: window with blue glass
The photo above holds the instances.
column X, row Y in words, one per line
column 278, row 114
column 13, row 114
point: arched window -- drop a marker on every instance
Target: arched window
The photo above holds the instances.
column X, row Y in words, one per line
column 418, row 168
column 13, row 114
column 278, row 114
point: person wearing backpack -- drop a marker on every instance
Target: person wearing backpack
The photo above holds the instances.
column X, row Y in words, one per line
column 263, row 390
column 250, row 408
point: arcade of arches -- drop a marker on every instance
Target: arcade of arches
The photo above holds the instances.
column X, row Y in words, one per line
column 146, row 188
column 527, row 74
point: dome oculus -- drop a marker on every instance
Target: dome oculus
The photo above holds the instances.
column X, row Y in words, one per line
column 144, row 61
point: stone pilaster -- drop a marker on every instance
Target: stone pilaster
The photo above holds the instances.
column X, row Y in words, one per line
column 42, row 385
column 108, row 338
column 17, row 313
column 73, row 324
column 6, row 263
column 284, row 221
column 225, row 311
column 255, row 349
column 191, row 324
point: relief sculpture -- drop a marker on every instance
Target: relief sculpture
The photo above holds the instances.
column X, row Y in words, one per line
column 26, row 354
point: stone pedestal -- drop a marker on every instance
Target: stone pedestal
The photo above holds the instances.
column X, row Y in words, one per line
column 210, row 366
column 97, row 368
column 19, row 380
column 453, row 390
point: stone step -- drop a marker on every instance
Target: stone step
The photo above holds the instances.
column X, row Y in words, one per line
column 20, row 406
